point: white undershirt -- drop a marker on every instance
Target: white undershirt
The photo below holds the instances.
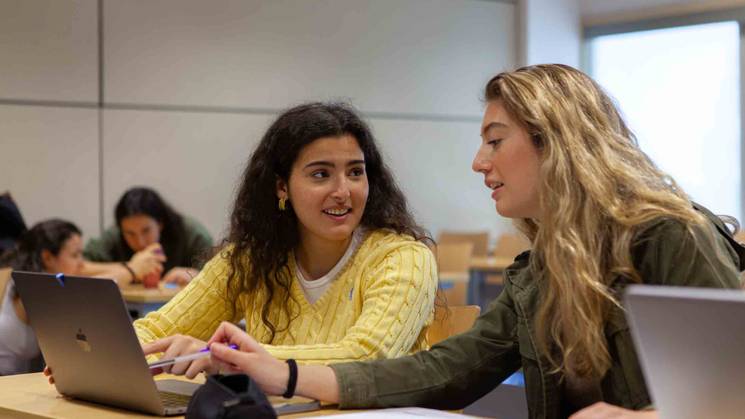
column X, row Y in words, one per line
column 314, row 289
column 17, row 341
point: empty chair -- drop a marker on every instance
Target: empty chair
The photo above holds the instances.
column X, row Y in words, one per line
column 508, row 245
column 479, row 239
column 451, row 321
column 511, row 245
column 453, row 262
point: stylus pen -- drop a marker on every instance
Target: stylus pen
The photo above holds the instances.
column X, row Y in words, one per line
column 196, row 355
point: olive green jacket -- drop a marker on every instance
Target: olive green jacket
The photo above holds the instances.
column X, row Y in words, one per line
column 460, row 370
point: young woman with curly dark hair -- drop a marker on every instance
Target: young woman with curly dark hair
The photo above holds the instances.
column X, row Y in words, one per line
column 323, row 259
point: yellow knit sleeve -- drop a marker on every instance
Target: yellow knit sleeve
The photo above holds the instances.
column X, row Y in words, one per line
column 195, row 311
column 398, row 301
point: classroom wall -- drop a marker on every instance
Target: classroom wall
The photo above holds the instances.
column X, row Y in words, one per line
column 549, row 31
column 49, row 143
column 97, row 96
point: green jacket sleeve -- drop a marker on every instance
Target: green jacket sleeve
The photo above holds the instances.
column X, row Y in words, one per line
column 451, row 375
column 103, row 249
column 199, row 241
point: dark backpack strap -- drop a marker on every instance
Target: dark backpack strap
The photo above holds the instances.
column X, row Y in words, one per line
column 738, row 247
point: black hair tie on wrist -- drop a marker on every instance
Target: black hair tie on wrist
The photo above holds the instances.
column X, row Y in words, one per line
column 292, row 381
column 131, row 272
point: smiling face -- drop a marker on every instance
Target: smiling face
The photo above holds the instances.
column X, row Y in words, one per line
column 327, row 189
column 510, row 163
column 69, row 259
column 140, row 231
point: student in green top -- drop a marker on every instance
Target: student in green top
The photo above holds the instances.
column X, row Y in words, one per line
column 557, row 158
column 150, row 238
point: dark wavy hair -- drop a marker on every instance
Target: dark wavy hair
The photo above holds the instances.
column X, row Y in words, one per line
column 145, row 201
column 261, row 236
column 49, row 235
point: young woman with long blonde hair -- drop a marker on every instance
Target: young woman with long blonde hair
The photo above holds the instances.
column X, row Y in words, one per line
column 559, row 159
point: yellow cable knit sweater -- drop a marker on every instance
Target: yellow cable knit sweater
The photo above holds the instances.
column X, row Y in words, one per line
column 378, row 307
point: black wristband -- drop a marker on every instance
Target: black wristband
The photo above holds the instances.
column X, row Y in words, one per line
column 134, row 277
column 292, row 381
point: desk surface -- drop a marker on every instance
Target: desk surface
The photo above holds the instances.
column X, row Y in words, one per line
column 487, row 264
column 136, row 293
column 490, row 263
column 447, row 276
column 30, row 396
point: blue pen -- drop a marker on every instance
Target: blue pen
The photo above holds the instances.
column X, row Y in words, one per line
column 196, row 355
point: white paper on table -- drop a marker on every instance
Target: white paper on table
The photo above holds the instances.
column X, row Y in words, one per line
column 398, row 413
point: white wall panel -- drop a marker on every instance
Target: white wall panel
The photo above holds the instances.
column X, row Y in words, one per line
column 551, row 32
column 416, row 56
column 48, row 50
column 432, row 162
column 193, row 159
column 49, row 162
column 425, row 58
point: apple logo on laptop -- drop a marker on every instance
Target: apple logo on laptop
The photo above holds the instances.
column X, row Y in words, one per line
column 82, row 341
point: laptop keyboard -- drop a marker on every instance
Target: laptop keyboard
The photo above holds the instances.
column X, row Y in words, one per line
column 174, row 399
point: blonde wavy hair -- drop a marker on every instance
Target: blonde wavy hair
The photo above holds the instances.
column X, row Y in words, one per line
column 597, row 190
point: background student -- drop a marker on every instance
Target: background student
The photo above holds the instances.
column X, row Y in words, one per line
column 323, row 259
column 559, row 159
column 150, row 238
column 11, row 223
column 51, row 246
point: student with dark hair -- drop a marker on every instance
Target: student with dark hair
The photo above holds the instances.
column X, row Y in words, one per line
column 11, row 222
column 324, row 261
column 50, row 246
column 150, row 238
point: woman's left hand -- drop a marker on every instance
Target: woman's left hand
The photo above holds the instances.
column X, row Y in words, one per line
column 178, row 345
column 603, row 410
column 180, row 276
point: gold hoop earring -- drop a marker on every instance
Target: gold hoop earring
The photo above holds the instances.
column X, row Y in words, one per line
column 282, row 204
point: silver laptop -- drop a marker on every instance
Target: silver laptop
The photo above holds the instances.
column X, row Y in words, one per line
column 87, row 339
column 691, row 342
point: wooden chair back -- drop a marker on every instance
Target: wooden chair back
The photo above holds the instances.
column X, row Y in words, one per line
column 451, row 321
column 511, row 245
column 480, row 240
column 454, row 257
column 453, row 263
column 508, row 245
